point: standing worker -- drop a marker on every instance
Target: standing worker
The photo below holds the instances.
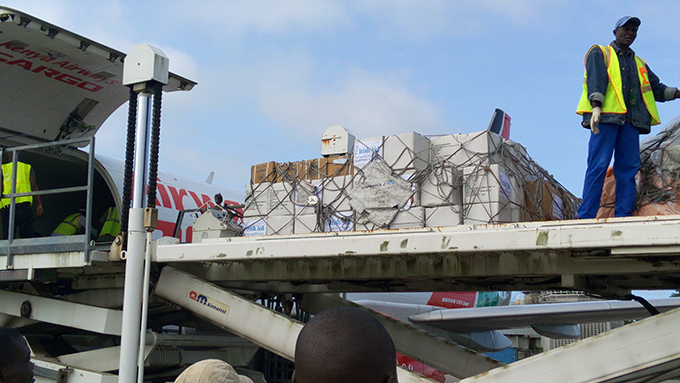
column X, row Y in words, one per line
column 617, row 104
column 25, row 183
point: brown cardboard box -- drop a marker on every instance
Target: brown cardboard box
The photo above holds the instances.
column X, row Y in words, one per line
column 291, row 171
column 301, row 169
column 328, row 167
column 265, row 172
column 315, row 169
column 285, row 172
column 533, row 198
column 338, row 166
column 542, row 202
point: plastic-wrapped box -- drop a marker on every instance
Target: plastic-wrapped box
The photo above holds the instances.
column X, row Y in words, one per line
column 407, row 151
column 467, row 149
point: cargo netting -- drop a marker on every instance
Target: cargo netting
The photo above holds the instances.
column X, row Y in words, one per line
column 406, row 181
column 658, row 192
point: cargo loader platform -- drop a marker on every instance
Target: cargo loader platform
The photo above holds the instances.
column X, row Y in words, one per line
column 608, row 257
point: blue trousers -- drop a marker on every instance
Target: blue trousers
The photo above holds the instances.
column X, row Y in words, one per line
column 624, row 142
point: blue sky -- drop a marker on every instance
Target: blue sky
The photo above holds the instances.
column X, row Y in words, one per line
column 272, row 76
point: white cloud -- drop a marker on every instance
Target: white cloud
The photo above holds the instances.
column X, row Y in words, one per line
column 287, row 89
column 367, row 103
column 181, row 62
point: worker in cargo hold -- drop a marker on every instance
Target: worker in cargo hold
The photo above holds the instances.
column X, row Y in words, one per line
column 25, row 183
column 15, row 357
column 72, row 225
column 110, row 225
column 344, row 344
column 618, row 104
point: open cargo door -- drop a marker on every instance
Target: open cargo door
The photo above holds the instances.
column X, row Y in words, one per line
column 55, row 84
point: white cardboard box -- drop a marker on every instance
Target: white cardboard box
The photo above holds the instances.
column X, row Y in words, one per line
column 255, row 226
column 364, row 149
column 305, row 223
column 486, row 184
column 280, row 224
column 443, row 186
column 494, row 212
column 443, row 216
column 466, row 149
column 518, row 160
column 407, row 151
column 311, row 188
column 257, row 200
column 305, row 210
column 335, row 192
column 407, row 219
column 281, row 197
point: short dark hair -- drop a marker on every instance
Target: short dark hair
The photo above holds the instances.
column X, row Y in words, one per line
column 344, row 344
column 8, row 341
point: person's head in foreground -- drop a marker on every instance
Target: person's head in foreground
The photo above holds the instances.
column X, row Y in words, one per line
column 211, row 371
column 15, row 357
column 343, row 345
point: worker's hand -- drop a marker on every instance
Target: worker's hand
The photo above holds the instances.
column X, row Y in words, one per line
column 595, row 119
column 38, row 210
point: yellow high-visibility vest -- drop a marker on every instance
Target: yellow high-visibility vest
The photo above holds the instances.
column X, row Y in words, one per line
column 614, row 99
column 112, row 224
column 23, row 182
column 69, row 226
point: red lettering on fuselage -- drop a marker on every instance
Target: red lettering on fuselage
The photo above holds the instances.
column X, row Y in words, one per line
column 53, row 73
column 177, row 197
column 21, row 63
column 67, row 78
column 2, row 59
column 62, row 64
column 206, row 200
column 165, row 198
column 89, row 86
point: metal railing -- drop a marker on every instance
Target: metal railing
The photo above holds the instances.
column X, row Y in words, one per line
column 11, row 246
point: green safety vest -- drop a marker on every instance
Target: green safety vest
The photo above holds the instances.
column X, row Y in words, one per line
column 23, row 182
column 69, row 226
column 614, row 100
column 112, row 224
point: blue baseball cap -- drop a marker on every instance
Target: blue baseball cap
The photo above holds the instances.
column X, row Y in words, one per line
column 627, row 19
